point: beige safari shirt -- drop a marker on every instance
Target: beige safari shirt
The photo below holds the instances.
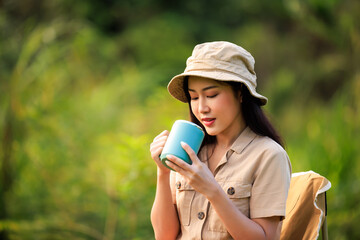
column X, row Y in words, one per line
column 255, row 173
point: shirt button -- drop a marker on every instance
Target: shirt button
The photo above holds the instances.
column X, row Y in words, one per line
column 201, row 215
column 231, row 191
column 178, row 185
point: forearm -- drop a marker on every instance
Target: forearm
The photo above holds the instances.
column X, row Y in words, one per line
column 164, row 216
column 238, row 225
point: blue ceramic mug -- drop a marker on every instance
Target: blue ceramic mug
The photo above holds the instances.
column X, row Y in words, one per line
column 182, row 131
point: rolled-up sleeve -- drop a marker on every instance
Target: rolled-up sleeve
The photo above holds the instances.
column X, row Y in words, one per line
column 271, row 184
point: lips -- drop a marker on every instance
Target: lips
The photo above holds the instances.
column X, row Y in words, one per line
column 208, row 121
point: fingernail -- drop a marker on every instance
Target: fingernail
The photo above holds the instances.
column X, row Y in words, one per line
column 182, row 143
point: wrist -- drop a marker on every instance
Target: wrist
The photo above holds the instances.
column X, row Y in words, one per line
column 215, row 193
column 163, row 173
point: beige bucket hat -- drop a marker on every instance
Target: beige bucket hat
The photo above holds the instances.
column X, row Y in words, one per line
column 223, row 61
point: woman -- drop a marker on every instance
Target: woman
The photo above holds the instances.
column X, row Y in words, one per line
column 237, row 186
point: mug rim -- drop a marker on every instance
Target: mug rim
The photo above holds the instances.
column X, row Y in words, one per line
column 194, row 124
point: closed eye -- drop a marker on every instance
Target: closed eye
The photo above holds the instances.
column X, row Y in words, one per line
column 212, row 96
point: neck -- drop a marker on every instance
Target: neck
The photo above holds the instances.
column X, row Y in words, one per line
column 225, row 140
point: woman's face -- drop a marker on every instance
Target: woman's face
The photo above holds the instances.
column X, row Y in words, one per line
column 215, row 105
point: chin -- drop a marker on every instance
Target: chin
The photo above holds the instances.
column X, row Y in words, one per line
column 211, row 132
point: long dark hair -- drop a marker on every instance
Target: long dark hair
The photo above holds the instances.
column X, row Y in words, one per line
column 253, row 114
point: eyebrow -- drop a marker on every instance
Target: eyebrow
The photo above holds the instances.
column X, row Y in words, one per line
column 204, row 89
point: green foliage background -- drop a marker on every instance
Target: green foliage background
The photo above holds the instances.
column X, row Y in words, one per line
column 83, row 93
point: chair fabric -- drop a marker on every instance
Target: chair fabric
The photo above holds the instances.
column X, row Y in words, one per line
column 305, row 206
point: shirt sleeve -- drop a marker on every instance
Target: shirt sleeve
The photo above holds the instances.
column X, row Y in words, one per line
column 271, row 184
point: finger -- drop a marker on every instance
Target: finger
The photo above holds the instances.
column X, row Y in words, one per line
column 179, row 162
column 176, row 168
column 158, row 143
column 156, row 149
column 162, row 134
column 173, row 166
column 156, row 154
column 190, row 152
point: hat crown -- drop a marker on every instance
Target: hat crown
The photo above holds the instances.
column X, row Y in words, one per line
column 225, row 57
column 224, row 52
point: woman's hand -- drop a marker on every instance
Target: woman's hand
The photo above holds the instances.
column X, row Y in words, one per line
column 156, row 148
column 164, row 217
column 198, row 175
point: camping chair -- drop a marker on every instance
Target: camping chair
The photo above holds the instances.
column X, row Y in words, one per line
column 306, row 207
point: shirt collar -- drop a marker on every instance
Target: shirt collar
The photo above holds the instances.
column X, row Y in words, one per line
column 243, row 140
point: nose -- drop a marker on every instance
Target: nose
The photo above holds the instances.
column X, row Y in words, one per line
column 203, row 106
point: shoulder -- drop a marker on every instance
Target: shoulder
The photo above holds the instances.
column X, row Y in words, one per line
column 269, row 151
column 266, row 144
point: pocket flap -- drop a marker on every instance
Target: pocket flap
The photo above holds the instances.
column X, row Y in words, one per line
column 235, row 189
column 182, row 185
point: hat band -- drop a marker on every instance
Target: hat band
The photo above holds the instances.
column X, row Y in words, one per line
column 239, row 70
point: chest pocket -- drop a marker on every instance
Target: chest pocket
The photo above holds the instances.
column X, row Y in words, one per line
column 239, row 193
column 184, row 198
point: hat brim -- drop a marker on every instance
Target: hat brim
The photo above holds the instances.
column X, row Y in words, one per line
column 176, row 85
